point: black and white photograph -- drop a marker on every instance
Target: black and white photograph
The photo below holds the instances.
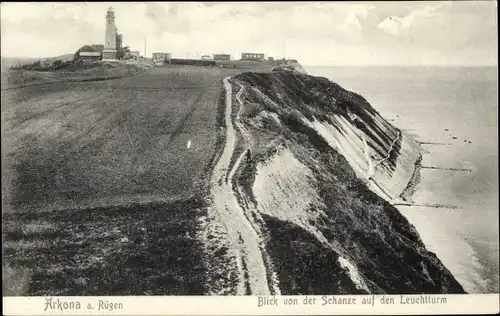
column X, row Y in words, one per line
column 264, row 149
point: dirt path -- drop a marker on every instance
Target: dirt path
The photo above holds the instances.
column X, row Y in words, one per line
column 242, row 237
column 390, row 150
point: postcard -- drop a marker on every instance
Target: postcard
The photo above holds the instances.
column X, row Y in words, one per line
column 250, row 158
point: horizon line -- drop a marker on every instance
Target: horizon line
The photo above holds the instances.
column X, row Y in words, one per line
column 399, row 65
column 323, row 65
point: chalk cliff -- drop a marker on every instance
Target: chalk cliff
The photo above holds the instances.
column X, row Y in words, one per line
column 316, row 169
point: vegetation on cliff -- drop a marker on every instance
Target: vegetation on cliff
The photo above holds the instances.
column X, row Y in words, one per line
column 342, row 219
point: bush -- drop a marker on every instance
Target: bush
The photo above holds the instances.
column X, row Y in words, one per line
column 56, row 65
column 192, row 62
column 32, row 66
column 295, row 124
column 293, row 121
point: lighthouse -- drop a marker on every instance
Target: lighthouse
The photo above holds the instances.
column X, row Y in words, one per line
column 109, row 53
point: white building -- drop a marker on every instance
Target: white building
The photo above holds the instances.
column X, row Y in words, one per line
column 160, row 59
column 109, row 52
column 161, row 56
column 89, row 56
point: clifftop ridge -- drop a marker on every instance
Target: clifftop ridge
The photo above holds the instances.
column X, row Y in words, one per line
column 314, row 170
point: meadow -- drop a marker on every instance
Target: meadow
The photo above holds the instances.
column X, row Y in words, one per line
column 104, row 182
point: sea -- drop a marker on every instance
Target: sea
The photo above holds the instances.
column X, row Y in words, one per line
column 457, row 108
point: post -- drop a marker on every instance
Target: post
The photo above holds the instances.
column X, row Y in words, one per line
column 284, row 49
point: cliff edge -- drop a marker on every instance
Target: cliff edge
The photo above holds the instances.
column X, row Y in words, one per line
column 302, row 193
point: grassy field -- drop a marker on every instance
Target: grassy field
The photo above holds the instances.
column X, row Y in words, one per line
column 99, row 186
column 69, row 144
column 148, row 249
column 246, row 64
column 256, row 66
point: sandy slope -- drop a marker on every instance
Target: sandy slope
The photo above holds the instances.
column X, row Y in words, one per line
column 319, row 153
column 242, row 238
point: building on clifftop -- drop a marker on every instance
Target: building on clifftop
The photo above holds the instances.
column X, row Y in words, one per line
column 161, row 59
column 221, row 56
column 89, row 53
column 252, row 56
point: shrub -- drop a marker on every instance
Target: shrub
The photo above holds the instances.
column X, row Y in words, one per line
column 57, row 63
column 296, row 125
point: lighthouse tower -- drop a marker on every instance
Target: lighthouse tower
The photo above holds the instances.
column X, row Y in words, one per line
column 109, row 52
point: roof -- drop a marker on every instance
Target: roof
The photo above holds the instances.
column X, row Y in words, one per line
column 85, row 48
column 90, row 54
column 97, row 47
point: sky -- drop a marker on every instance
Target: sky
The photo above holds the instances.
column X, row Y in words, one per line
column 459, row 33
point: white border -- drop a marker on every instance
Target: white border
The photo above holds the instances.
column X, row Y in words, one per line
column 248, row 305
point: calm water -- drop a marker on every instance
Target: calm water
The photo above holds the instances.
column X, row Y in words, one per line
column 437, row 104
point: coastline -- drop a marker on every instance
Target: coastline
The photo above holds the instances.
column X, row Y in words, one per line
column 433, row 105
column 410, row 189
column 386, row 145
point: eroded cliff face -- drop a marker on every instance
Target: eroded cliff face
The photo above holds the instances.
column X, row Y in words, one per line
column 319, row 172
